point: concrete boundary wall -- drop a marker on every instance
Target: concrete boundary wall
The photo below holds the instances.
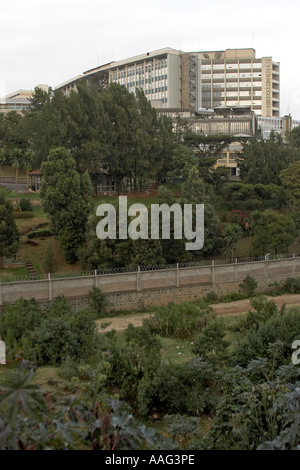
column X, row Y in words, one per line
column 136, row 290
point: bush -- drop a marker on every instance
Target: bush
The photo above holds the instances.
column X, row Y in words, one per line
column 185, row 388
column 39, row 234
column 49, row 261
column 250, row 204
column 212, row 297
column 180, row 321
column 19, row 320
column 263, row 310
column 291, row 285
column 48, row 338
column 210, row 344
column 98, row 302
column 273, row 339
column 69, row 368
column 23, row 215
column 233, row 297
column 25, row 205
column 249, row 285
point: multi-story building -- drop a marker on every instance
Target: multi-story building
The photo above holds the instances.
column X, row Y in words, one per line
column 18, row 100
column 175, row 79
column 234, row 77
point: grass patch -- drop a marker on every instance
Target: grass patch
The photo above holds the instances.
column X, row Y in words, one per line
column 36, row 255
column 7, row 274
column 175, row 351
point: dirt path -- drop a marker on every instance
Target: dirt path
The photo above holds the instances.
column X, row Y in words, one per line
column 230, row 308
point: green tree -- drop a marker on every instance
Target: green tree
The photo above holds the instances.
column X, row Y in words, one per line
column 49, row 261
column 273, row 231
column 9, row 237
column 67, row 199
column 207, row 149
column 122, row 117
column 289, row 178
column 182, row 160
column 14, row 151
column 148, row 142
column 294, row 137
column 231, row 234
column 195, row 190
column 262, row 161
column 46, row 123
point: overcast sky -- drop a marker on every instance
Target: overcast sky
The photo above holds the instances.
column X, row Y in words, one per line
column 51, row 42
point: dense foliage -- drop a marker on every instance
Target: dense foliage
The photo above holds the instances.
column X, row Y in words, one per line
column 240, row 389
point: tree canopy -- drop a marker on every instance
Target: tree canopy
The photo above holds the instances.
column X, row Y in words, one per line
column 67, row 199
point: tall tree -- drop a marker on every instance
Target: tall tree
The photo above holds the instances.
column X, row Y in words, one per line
column 9, row 237
column 290, row 179
column 15, row 145
column 46, row 124
column 122, row 118
column 262, row 161
column 67, row 199
column 232, row 233
column 273, row 231
column 196, row 191
column 207, row 149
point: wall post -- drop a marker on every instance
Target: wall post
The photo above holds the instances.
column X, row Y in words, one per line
column 138, row 280
column 50, row 286
column 177, row 276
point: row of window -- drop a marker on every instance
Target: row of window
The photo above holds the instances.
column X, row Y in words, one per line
column 223, row 127
column 124, row 80
column 156, row 90
column 13, row 106
column 139, row 82
column 248, row 65
column 160, row 67
column 207, row 94
column 207, row 76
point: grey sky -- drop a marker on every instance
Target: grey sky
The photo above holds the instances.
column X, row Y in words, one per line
column 51, row 42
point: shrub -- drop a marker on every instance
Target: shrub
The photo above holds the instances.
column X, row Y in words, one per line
column 53, row 341
column 25, row 205
column 180, row 321
column 233, row 297
column 49, row 261
column 184, row 388
column 240, row 217
column 263, row 310
column 39, row 234
column 19, row 320
column 272, row 338
column 212, row 297
column 98, row 302
column 49, row 338
column 210, row 344
column 291, row 285
column 69, row 368
column 249, row 285
column 23, row 215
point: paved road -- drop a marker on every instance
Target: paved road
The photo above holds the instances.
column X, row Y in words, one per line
column 22, row 188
